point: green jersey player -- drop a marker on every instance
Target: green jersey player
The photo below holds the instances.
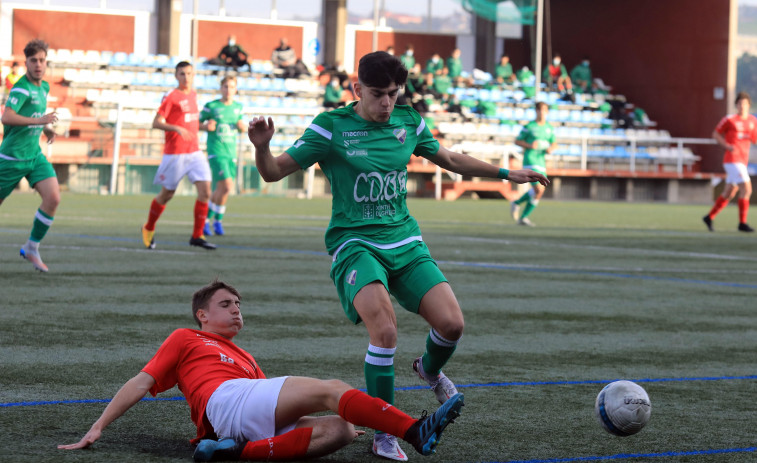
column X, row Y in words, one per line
column 222, row 119
column 376, row 245
column 537, row 139
column 24, row 121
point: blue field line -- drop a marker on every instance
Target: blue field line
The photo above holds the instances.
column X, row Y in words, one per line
column 413, row 388
column 625, row 456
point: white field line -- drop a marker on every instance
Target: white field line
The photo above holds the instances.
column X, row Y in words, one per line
column 650, row 252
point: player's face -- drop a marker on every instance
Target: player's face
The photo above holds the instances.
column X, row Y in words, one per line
column 36, row 66
column 222, row 316
column 185, row 76
column 229, row 90
column 541, row 113
column 376, row 103
column 743, row 106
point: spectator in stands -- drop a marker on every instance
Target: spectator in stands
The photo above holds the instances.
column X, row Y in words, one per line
column 285, row 59
column 223, row 120
column 179, row 118
column 425, row 94
column 408, row 60
column 332, row 97
column 503, row 73
column 455, row 67
column 434, row 64
column 537, row 139
column 11, row 79
column 390, row 50
column 442, row 83
column 556, row 75
column 376, row 244
column 232, row 55
column 24, row 121
column 735, row 133
column 526, row 79
column 581, row 77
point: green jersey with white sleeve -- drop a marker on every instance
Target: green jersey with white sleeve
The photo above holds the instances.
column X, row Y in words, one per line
column 21, row 142
column 366, row 165
column 544, row 135
column 222, row 141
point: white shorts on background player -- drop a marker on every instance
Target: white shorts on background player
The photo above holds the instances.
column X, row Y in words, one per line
column 245, row 409
column 735, row 173
column 173, row 167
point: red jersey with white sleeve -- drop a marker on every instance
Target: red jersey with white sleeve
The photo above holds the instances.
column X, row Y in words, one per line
column 199, row 362
column 740, row 133
column 179, row 108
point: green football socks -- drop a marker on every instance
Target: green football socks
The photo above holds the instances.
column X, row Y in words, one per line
column 438, row 352
column 42, row 223
column 379, row 372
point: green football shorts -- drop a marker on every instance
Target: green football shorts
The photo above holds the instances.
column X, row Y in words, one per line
column 223, row 167
column 407, row 272
column 11, row 172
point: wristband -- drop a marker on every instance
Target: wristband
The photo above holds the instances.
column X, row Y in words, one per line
column 503, row 173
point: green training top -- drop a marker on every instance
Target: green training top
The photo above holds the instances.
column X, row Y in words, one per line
column 223, row 141
column 21, row 142
column 545, row 135
column 366, row 164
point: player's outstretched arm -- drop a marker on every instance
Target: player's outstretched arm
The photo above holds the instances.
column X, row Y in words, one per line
column 10, row 117
column 272, row 169
column 129, row 394
column 468, row 165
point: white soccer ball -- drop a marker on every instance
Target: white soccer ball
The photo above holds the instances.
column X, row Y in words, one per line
column 623, row 408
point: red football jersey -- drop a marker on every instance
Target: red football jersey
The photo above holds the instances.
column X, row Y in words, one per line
column 179, row 108
column 740, row 133
column 199, row 362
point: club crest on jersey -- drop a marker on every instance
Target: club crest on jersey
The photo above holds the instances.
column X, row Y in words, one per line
column 352, row 277
column 401, row 134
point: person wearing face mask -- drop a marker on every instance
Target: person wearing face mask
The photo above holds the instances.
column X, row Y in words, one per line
column 557, row 74
column 581, row 77
column 407, row 59
column 332, row 97
column 434, row 65
column 233, row 55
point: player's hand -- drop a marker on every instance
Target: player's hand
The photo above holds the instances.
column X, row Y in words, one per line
column 260, row 131
column 527, row 176
column 212, row 125
column 184, row 133
column 85, row 441
column 50, row 134
column 49, row 118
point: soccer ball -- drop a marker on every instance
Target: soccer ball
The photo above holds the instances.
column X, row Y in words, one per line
column 623, row 408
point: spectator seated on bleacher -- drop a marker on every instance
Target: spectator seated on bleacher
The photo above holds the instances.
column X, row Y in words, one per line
column 408, row 58
column 526, row 79
column 442, row 82
column 232, row 55
column 424, row 94
column 455, row 68
column 556, row 75
column 503, row 73
column 581, row 77
column 286, row 61
column 332, row 97
column 434, row 65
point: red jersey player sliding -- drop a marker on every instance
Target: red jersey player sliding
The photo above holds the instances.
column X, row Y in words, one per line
column 242, row 415
column 735, row 133
column 179, row 117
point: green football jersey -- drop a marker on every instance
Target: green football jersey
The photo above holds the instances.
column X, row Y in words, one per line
column 545, row 135
column 21, row 142
column 222, row 142
column 366, row 165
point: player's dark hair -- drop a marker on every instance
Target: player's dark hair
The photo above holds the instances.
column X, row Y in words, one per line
column 540, row 104
column 743, row 96
column 34, row 47
column 201, row 297
column 380, row 69
column 182, row 64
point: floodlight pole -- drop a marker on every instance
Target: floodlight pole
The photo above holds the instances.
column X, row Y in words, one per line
column 195, row 31
column 539, row 34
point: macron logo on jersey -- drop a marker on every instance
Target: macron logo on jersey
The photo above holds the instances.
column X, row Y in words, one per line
column 356, row 133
